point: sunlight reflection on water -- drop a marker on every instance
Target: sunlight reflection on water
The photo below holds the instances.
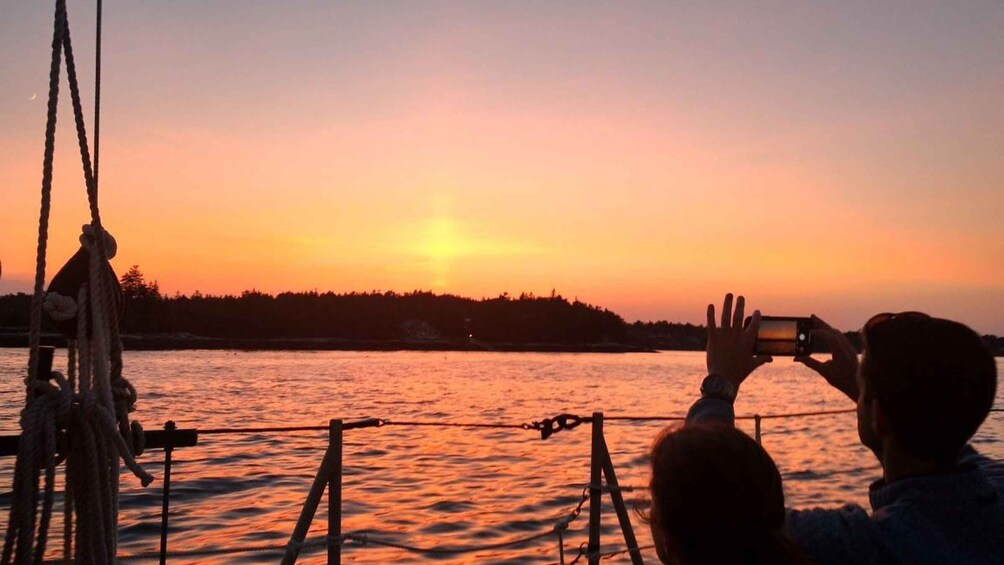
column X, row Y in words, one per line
column 440, row 486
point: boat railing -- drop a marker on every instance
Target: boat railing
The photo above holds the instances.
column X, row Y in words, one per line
column 328, row 480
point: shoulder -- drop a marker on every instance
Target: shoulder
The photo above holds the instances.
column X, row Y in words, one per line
column 711, row 411
column 993, row 470
column 826, row 519
column 831, row 535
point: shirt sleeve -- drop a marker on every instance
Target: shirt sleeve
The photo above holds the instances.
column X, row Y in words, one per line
column 711, row 411
column 833, row 535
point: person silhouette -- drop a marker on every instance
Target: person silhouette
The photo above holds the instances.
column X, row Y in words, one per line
column 923, row 387
column 717, row 500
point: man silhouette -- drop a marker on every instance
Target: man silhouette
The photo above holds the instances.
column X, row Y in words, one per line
column 923, row 387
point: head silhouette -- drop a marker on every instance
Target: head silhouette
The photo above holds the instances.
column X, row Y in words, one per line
column 716, row 498
column 926, row 385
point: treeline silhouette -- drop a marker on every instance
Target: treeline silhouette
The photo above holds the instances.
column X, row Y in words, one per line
column 411, row 316
column 417, row 315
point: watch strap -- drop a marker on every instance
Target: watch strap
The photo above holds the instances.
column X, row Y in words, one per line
column 717, row 386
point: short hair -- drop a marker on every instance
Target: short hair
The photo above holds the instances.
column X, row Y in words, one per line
column 714, row 483
column 935, row 380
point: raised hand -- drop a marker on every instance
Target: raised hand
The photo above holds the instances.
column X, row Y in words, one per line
column 842, row 369
column 730, row 346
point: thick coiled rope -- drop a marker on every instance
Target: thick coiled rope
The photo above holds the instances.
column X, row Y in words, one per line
column 87, row 426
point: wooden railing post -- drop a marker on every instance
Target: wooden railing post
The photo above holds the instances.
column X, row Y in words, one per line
column 756, row 431
column 595, row 489
column 321, row 480
column 165, row 508
column 335, row 493
column 619, row 507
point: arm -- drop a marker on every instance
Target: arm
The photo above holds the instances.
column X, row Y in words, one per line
column 841, row 371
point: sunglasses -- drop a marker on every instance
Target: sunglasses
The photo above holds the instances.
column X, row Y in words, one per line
column 879, row 319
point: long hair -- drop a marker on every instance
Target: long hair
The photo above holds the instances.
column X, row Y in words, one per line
column 716, row 494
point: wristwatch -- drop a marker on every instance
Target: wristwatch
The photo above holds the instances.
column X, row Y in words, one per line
column 717, row 386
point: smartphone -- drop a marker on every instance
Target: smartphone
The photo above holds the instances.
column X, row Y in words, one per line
column 784, row 336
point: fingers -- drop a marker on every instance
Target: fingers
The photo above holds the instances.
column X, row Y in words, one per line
column 727, row 311
column 846, row 346
column 837, row 342
column 739, row 315
column 812, row 363
column 749, row 333
column 819, row 323
column 829, row 337
column 754, row 326
column 762, row 360
column 711, row 318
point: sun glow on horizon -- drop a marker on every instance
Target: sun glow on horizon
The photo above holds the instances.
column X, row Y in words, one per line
column 644, row 159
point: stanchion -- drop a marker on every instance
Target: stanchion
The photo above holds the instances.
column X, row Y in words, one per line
column 595, row 488
column 321, row 480
column 335, row 493
column 756, row 422
column 601, row 466
column 169, row 427
column 619, row 507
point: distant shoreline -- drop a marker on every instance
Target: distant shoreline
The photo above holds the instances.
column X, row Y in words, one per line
column 194, row 343
column 175, row 343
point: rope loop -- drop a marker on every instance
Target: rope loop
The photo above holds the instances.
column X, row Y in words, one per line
column 583, row 548
column 124, row 390
column 138, row 438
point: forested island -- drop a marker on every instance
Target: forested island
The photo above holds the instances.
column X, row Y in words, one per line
column 369, row 320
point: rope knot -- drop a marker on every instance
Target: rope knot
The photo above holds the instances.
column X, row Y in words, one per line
column 60, row 308
column 88, row 239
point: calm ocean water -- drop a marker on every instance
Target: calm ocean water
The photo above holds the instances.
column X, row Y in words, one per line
column 439, row 486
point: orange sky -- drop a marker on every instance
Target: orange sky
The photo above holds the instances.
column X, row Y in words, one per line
column 647, row 158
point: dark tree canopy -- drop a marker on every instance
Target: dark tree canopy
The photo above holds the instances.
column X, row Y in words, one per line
column 134, row 285
column 383, row 315
column 417, row 316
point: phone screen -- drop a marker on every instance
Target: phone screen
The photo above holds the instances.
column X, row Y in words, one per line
column 784, row 336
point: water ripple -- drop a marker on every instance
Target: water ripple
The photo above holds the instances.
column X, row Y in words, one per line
column 439, row 486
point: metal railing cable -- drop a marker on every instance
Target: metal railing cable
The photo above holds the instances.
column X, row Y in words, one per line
column 457, row 424
column 316, row 543
column 583, row 551
column 367, row 539
column 546, row 426
column 534, row 425
column 742, row 417
column 557, row 423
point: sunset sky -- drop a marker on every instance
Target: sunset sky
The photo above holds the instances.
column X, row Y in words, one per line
column 646, row 157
